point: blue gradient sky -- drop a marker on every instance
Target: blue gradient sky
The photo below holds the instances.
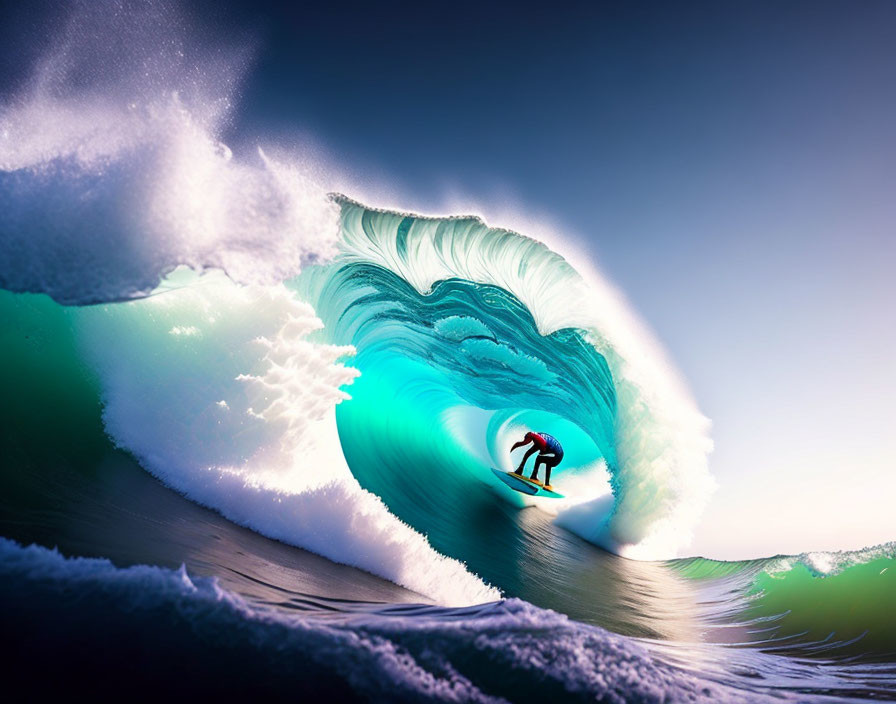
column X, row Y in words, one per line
column 730, row 165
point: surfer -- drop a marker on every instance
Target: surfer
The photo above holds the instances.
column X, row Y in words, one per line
column 550, row 453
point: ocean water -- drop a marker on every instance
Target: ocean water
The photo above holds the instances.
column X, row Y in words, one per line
column 249, row 425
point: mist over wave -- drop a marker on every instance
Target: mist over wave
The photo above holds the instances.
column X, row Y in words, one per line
column 112, row 172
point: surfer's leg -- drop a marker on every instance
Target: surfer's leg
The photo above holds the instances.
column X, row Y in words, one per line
column 547, row 459
column 548, row 466
column 541, row 459
column 538, row 461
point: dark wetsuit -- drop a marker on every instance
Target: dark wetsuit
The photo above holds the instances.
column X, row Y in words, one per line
column 546, row 444
column 550, row 453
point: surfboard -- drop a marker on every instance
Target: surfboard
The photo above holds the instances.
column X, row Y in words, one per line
column 524, row 485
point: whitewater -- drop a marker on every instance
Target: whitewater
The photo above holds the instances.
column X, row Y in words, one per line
column 224, row 361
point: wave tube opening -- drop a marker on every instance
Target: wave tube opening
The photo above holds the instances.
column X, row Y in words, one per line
column 448, row 382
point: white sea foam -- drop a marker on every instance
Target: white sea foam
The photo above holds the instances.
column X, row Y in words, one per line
column 238, row 416
column 105, row 189
column 828, row 564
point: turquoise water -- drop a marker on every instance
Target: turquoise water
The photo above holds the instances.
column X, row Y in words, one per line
column 449, row 381
column 487, row 334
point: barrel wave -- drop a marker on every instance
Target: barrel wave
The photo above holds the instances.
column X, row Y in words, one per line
column 466, row 337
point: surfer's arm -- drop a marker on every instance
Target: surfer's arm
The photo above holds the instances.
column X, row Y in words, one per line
column 521, row 443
